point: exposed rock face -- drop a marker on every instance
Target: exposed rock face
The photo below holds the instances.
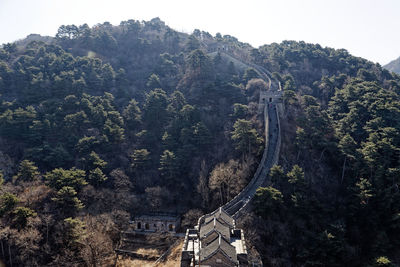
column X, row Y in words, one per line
column 393, row 65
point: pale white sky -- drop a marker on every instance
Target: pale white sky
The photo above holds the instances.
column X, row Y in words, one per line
column 366, row 28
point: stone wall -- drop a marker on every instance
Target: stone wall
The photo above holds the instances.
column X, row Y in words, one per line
column 155, row 223
column 218, row 259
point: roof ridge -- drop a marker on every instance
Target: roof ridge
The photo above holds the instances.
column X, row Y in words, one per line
column 220, row 248
column 216, row 219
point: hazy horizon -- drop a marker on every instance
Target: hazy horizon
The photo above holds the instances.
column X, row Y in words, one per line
column 363, row 28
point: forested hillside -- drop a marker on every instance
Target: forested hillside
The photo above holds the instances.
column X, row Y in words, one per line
column 102, row 123
column 99, row 123
column 334, row 199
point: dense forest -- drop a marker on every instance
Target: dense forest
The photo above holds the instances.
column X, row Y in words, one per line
column 100, row 123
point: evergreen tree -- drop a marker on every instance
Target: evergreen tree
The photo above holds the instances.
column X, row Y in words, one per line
column 27, row 172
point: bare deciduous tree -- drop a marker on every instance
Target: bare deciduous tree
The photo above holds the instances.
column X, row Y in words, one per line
column 190, row 218
column 202, row 186
column 156, row 196
column 97, row 244
column 229, row 178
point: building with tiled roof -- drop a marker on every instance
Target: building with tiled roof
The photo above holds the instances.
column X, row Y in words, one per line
column 211, row 230
column 222, row 216
column 219, row 252
column 215, row 241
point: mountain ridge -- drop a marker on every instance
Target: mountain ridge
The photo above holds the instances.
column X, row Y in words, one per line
column 393, row 65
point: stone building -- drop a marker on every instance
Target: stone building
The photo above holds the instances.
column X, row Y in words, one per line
column 213, row 229
column 222, row 216
column 158, row 222
column 214, row 242
column 219, row 253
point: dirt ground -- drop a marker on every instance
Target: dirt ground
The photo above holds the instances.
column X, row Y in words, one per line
column 173, row 259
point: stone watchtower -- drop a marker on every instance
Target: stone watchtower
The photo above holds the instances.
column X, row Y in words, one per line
column 270, row 97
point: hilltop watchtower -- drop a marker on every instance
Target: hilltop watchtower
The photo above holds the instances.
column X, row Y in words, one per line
column 269, row 97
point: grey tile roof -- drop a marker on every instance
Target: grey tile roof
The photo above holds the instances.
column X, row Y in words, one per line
column 222, row 216
column 219, row 244
column 215, row 225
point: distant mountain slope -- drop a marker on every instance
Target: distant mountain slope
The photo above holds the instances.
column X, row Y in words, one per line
column 393, row 65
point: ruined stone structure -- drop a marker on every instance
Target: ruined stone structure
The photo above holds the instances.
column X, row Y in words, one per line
column 215, row 241
column 160, row 222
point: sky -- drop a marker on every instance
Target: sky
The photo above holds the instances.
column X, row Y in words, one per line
column 366, row 28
